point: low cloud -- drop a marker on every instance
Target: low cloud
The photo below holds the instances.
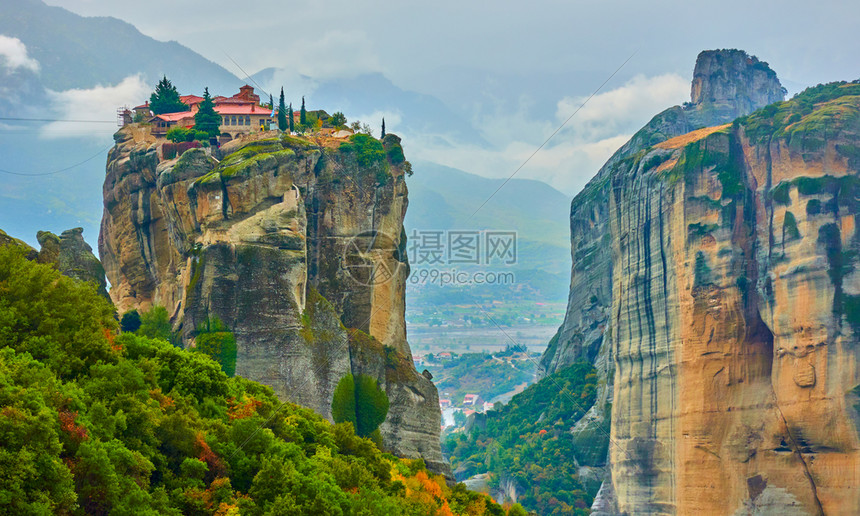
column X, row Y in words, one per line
column 13, row 55
column 99, row 103
column 626, row 108
column 576, row 153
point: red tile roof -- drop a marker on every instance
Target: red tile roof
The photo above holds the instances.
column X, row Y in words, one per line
column 190, row 99
column 175, row 117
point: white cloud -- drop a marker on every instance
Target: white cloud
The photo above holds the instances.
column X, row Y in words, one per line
column 576, row 153
column 13, row 54
column 627, row 108
column 99, row 103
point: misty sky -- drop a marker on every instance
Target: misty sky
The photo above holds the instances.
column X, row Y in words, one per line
column 514, row 69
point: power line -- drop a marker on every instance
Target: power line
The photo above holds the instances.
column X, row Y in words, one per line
column 554, row 133
column 94, row 156
column 17, row 119
column 246, row 75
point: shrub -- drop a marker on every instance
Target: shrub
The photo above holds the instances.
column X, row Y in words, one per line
column 216, row 341
column 781, row 193
column 130, row 321
column 360, row 401
column 789, row 228
column 366, row 149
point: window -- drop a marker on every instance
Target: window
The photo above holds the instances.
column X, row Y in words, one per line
column 247, row 119
column 241, row 120
column 226, row 120
column 233, row 121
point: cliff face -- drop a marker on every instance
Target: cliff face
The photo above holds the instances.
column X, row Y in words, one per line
column 715, row 282
column 754, row 86
column 68, row 253
column 295, row 246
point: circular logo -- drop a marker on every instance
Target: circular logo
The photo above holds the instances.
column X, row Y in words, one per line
column 372, row 258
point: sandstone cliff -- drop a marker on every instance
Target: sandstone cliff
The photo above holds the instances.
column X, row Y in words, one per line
column 295, row 245
column 714, row 285
column 69, row 253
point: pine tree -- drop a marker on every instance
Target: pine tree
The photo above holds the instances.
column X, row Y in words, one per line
column 283, row 125
column 303, row 115
column 165, row 99
column 292, row 119
column 383, row 129
column 207, row 119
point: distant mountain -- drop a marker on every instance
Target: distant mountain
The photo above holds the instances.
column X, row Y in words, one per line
column 371, row 93
column 443, row 198
column 74, row 52
column 81, row 52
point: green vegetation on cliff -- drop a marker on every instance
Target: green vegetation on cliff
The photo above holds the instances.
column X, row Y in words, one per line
column 99, row 423
column 360, row 401
column 529, row 442
column 809, row 115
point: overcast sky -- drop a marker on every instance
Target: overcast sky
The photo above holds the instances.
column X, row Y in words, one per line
column 515, row 69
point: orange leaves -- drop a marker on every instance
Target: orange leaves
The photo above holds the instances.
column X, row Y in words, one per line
column 78, row 433
column 428, row 485
column 242, row 410
column 110, row 336
column 163, row 400
column 216, row 465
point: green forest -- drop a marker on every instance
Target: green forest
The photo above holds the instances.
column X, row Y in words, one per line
column 98, row 421
column 529, row 442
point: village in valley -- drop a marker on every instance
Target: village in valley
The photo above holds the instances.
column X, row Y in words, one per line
column 476, row 383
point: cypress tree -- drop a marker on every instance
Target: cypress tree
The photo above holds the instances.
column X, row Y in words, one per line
column 303, row 115
column 383, row 129
column 207, row 119
column 292, row 119
column 282, row 113
column 271, row 102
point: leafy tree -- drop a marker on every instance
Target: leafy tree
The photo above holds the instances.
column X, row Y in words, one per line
column 130, row 321
column 207, row 120
column 155, row 324
column 291, row 118
column 359, row 400
column 215, row 340
column 180, row 134
column 283, row 125
column 165, row 99
column 303, row 114
column 383, row 129
column 337, row 120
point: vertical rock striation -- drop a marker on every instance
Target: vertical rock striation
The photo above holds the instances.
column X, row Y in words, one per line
column 295, row 245
column 717, row 271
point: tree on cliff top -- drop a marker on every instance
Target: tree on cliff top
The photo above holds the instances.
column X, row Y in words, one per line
column 303, row 114
column 206, row 119
column 337, row 120
column 165, row 99
column 283, row 125
column 291, row 120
